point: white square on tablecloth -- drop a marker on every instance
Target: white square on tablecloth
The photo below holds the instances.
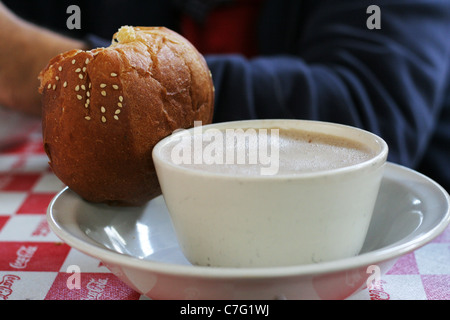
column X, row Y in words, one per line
column 27, row 227
column 433, row 258
column 7, row 162
column 35, row 163
column 404, row 287
column 11, row 201
column 48, row 183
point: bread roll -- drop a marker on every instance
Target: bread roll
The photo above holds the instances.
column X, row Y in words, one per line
column 105, row 109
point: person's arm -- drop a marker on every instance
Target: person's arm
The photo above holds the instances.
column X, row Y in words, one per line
column 25, row 51
column 389, row 81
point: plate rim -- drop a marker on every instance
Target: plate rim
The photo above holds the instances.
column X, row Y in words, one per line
column 373, row 257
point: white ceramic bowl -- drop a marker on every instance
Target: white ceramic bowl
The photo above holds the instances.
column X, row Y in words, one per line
column 238, row 220
column 139, row 246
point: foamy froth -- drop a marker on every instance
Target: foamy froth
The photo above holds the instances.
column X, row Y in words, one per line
column 249, row 150
column 305, row 152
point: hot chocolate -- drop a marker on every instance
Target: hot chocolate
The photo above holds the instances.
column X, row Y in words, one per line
column 277, row 150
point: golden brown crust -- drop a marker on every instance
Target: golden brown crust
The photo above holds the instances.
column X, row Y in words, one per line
column 105, row 109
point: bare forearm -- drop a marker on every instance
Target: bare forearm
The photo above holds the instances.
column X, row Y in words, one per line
column 28, row 50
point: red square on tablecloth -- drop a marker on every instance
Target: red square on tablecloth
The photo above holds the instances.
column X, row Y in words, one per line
column 18, row 181
column 92, row 286
column 32, row 146
column 32, row 256
column 406, row 264
column 36, row 203
column 3, row 220
column 437, row 286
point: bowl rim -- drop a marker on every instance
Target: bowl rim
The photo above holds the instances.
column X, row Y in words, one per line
column 378, row 160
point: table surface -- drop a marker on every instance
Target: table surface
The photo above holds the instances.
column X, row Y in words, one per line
column 34, row 263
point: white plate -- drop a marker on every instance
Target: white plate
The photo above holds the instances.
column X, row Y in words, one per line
column 139, row 246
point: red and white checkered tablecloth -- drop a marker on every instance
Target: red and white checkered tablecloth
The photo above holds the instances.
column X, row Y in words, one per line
column 34, row 262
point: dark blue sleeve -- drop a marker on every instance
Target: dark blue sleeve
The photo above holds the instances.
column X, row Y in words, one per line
column 390, row 81
column 94, row 41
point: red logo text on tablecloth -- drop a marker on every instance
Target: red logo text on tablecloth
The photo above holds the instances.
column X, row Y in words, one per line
column 376, row 292
column 6, row 285
column 24, row 255
column 92, row 286
column 375, row 284
column 32, row 256
column 95, row 289
column 42, row 229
